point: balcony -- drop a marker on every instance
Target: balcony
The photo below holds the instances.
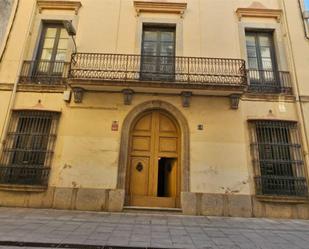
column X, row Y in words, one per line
column 157, row 73
column 44, row 72
column 20, row 175
column 265, row 81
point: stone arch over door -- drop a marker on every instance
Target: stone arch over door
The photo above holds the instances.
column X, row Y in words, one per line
column 125, row 135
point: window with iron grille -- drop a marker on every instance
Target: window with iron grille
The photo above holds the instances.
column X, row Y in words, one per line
column 277, row 158
column 28, row 149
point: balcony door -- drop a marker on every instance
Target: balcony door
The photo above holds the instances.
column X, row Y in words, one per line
column 262, row 61
column 52, row 51
column 158, row 54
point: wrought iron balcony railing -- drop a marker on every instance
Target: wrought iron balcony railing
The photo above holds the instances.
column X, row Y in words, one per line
column 28, row 175
column 44, row 72
column 265, row 81
column 187, row 71
column 281, row 186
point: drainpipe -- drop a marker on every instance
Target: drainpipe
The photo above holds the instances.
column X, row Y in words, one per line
column 299, row 106
column 13, row 94
column 305, row 16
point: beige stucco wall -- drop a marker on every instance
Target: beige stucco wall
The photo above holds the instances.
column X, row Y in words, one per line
column 87, row 151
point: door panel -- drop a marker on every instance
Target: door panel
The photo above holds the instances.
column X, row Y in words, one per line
column 154, row 137
column 141, row 143
column 167, row 144
column 139, row 175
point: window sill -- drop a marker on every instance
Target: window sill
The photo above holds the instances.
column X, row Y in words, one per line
column 23, row 188
column 282, row 199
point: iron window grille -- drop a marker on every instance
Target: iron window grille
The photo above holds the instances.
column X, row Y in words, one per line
column 28, row 149
column 277, row 159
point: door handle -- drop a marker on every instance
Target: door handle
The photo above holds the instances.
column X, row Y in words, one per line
column 139, row 167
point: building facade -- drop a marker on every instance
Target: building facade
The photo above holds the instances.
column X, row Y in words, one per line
column 198, row 106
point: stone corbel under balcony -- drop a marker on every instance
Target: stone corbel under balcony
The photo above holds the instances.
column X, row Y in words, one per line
column 127, row 96
column 59, row 5
column 78, row 94
column 234, row 101
column 186, row 98
column 160, row 7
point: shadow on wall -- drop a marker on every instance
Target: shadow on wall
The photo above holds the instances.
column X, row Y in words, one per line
column 5, row 13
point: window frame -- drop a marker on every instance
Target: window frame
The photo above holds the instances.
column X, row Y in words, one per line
column 27, row 130
column 45, row 26
column 270, row 34
column 286, row 184
column 51, row 70
column 160, row 75
column 260, row 79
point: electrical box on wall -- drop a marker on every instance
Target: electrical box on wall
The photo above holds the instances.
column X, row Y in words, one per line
column 67, row 95
column 306, row 14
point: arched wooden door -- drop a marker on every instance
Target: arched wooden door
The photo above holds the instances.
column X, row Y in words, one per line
column 153, row 177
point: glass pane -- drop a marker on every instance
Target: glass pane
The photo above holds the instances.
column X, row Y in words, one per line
column 167, row 49
column 269, row 75
column 49, row 43
column 43, row 67
column 251, row 51
column 167, row 36
column 150, row 36
column 61, row 55
column 58, row 67
column 264, row 40
column 265, row 52
column 64, row 34
column 51, row 33
column 46, row 54
column 63, row 44
column 250, row 40
column 267, row 64
column 150, row 48
column 253, row 64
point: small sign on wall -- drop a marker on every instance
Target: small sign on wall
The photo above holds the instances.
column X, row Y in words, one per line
column 115, row 126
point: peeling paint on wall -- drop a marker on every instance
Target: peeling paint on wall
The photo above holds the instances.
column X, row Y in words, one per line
column 235, row 188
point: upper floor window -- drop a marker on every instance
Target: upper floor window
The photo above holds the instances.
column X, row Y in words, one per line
column 158, row 53
column 263, row 68
column 27, row 153
column 50, row 64
column 53, row 43
column 277, row 158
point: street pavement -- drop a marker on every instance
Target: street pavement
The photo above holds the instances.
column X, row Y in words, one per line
column 62, row 229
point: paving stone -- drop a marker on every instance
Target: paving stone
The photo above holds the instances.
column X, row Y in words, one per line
column 146, row 230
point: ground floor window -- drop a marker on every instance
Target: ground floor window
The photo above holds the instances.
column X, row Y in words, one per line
column 277, row 158
column 28, row 149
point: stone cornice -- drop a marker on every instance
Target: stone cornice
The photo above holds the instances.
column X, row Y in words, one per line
column 160, row 7
column 59, row 5
column 259, row 12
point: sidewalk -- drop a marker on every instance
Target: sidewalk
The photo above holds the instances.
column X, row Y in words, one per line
column 149, row 230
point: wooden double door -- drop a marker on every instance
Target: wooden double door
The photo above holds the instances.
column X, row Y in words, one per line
column 153, row 177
